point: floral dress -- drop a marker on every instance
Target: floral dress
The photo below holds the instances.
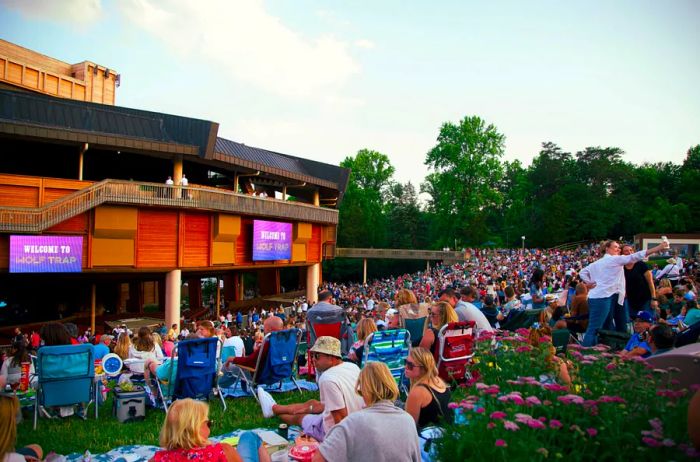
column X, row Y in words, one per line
column 213, row 452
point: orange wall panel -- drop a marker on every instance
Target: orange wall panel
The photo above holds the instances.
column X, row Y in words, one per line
column 196, row 237
column 244, row 246
column 313, row 252
column 18, row 196
column 76, row 224
column 157, row 239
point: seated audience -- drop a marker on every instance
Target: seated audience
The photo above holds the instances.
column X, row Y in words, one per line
column 578, row 320
column 441, row 313
column 185, row 436
column 638, row 344
column 661, row 339
column 336, row 385
column 11, row 369
column 365, row 327
column 123, row 345
column 54, row 333
column 9, row 408
column 381, row 432
column 102, row 347
column 429, row 395
column 144, row 348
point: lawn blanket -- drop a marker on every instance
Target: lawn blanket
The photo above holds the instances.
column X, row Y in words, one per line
column 237, row 391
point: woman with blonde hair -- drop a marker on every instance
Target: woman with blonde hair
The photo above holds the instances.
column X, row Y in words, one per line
column 363, row 435
column 429, row 395
column 365, row 327
column 123, row 345
column 185, row 437
column 9, row 407
column 405, row 297
column 441, row 313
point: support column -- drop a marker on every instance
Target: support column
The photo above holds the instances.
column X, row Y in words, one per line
column 218, row 298
column 93, row 306
column 173, row 282
column 317, row 198
column 364, row 271
column 427, row 266
column 81, row 157
column 312, row 279
column 284, row 192
column 177, row 169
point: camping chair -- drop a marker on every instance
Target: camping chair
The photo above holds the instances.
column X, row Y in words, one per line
column 390, row 347
column 66, row 376
column 275, row 362
column 327, row 323
column 414, row 318
column 456, row 351
column 522, row 318
column 194, row 372
column 615, row 340
column 688, row 336
column 560, row 340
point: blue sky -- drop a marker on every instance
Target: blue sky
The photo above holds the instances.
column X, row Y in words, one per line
column 322, row 80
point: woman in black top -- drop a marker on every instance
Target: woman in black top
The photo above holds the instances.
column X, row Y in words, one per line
column 639, row 286
column 429, row 397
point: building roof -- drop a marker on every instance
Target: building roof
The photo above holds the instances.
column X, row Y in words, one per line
column 159, row 131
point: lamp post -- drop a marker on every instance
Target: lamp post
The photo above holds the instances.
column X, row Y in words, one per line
column 523, row 238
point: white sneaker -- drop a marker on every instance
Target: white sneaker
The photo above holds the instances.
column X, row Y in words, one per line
column 266, row 403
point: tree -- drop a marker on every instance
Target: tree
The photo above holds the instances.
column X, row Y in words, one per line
column 464, row 182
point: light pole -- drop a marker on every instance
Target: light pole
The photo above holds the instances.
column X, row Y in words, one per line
column 523, row 238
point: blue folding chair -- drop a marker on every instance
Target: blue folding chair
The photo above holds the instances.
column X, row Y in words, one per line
column 275, row 362
column 65, row 377
column 194, row 372
column 390, row 347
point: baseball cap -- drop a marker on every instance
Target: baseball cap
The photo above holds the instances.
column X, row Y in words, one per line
column 643, row 316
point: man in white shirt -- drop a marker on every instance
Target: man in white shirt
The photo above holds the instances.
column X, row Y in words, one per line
column 605, row 279
column 336, row 385
column 467, row 311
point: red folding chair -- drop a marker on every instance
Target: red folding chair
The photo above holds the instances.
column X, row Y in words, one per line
column 314, row 331
column 456, row 352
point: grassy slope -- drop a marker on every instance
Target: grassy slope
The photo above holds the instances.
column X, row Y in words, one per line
column 70, row 435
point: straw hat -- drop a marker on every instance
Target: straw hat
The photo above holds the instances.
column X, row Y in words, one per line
column 327, row 345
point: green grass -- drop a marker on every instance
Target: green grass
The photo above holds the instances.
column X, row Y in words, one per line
column 70, row 435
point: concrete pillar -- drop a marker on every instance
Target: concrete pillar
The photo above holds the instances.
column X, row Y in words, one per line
column 173, row 282
column 317, row 198
column 81, row 163
column 427, row 266
column 177, row 169
column 364, row 271
column 312, row 280
column 93, row 307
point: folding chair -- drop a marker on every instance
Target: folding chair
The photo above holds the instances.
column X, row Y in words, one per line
column 561, row 339
column 688, row 336
column 65, row 376
column 194, row 372
column 414, row 318
column 390, row 347
column 329, row 324
column 522, row 318
column 456, row 351
column 275, row 362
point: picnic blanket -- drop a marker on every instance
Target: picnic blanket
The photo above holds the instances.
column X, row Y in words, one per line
column 288, row 385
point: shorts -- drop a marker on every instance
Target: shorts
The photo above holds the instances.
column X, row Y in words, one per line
column 27, row 452
column 312, row 425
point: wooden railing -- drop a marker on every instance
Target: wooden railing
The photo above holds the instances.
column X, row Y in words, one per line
column 399, row 254
column 34, row 220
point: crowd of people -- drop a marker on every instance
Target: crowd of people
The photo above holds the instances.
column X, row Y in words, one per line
column 587, row 291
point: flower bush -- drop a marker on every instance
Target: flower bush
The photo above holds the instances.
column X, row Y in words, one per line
column 614, row 409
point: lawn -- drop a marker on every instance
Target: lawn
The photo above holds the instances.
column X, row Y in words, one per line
column 71, row 435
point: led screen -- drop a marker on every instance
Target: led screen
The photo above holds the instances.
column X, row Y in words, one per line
column 272, row 240
column 46, row 254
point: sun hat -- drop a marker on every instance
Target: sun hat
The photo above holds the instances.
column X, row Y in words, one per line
column 327, row 345
column 643, row 316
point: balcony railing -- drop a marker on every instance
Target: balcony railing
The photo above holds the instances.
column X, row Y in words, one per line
column 34, row 220
column 399, row 254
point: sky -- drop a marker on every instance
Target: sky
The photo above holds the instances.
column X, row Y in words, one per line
column 324, row 79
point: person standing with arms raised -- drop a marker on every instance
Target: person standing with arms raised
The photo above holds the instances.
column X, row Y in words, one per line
column 605, row 278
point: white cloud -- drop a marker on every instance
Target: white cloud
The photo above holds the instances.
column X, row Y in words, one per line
column 80, row 11
column 364, row 43
column 249, row 44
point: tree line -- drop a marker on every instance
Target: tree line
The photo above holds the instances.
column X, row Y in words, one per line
column 474, row 198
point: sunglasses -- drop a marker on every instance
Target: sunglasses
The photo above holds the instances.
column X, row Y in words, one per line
column 316, row 355
column 410, row 365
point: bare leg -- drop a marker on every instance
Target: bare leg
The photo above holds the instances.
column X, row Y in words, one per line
column 312, row 406
column 263, row 455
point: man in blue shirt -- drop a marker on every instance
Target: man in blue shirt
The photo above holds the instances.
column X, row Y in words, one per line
column 102, row 348
column 638, row 344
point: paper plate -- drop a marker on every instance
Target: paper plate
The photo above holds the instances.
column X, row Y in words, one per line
column 112, row 364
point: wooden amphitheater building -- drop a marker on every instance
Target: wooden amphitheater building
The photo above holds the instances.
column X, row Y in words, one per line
column 77, row 169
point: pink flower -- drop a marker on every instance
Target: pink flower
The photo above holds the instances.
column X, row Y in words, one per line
column 657, row 424
column 517, row 400
column 533, row 401
column 497, row 415
column 501, row 443
column 480, row 410
column 554, row 387
column 545, row 339
column 523, row 418
column 536, row 424
column 668, row 442
column 547, row 402
column 554, row 423
column 592, row 432
column 452, row 405
column 651, row 442
column 510, row 425
column 523, row 349
column 544, row 452
column 490, row 425
column 611, row 366
column 571, row 399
